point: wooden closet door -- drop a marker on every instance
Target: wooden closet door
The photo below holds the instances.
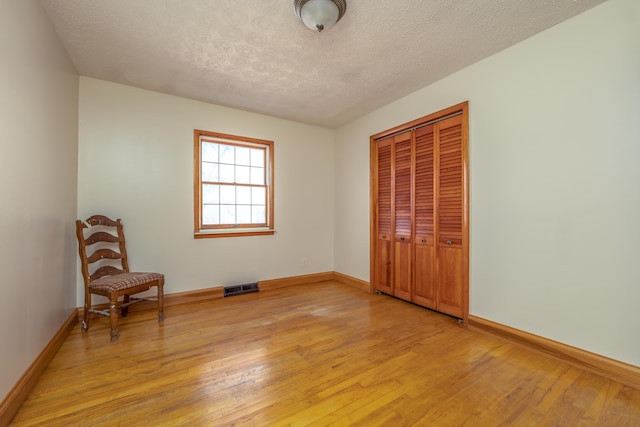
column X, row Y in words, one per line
column 424, row 290
column 383, row 268
column 450, row 214
column 424, row 202
column 403, row 219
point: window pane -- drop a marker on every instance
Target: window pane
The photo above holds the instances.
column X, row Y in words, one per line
column 211, row 214
column 257, row 157
column 227, row 173
column 210, row 172
column 243, row 195
column 227, row 194
column 227, row 214
column 227, row 154
column 233, row 183
column 258, row 195
column 210, row 193
column 243, row 175
column 258, row 215
column 244, row 214
column 243, row 156
column 257, row 176
column 209, row 152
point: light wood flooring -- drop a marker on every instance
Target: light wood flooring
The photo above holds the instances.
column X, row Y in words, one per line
column 317, row 354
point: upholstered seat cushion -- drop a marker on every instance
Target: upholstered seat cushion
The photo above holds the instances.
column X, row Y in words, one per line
column 122, row 281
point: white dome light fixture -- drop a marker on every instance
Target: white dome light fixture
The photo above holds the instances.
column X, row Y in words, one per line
column 319, row 15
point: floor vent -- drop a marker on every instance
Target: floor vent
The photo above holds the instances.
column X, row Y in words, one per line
column 248, row 288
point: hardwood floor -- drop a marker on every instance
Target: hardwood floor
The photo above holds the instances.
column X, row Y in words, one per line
column 320, row 354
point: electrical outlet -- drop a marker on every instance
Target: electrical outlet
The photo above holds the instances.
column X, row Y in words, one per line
column 304, row 262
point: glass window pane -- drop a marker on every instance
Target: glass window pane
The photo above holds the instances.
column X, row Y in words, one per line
column 244, row 214
column 227, row 173
column 211, row 214
column 227, row 154
column 243, row 156
column 243, row 175
column 257, row 176
column 228, row 194
column 259, row 196
column 243, row 195
column 227, row 214
column 234, row 179
column 209, row 152
column 210, row 193
column 210, row 172
column 257, row 157
column 258, row 215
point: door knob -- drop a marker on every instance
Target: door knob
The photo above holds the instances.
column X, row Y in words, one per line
column 402, row 239
column 448, row 242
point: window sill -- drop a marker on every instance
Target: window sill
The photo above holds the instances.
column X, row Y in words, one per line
column 212, row 234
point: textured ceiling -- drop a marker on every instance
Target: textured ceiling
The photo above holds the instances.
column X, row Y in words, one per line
column 256, row 55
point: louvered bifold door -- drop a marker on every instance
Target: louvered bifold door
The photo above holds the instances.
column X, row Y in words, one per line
column 424, row 289
column 383, row 269
column 403, row 215
column 449, row 216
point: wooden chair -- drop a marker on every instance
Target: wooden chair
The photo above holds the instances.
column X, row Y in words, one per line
column 110, row 276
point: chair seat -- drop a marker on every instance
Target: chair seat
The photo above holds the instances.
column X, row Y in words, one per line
column 123, row 281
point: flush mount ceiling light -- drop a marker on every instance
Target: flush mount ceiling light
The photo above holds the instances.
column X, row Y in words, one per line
column 319, row 15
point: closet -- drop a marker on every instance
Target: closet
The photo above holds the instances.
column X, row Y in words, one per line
column 419, row 212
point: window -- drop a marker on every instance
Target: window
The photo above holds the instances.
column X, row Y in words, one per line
column 233, row 185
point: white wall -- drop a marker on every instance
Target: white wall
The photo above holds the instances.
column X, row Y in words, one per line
column 555, row 202
column 38, row 158
column 136, row 163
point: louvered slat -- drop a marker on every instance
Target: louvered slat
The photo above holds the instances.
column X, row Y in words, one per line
column 450, row 177
column 384, row 188
column 402, row 195
column 424, row 182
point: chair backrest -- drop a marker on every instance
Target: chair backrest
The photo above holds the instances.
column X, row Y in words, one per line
column 109, row 255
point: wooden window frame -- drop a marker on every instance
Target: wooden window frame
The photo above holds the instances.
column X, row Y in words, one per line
column 202, row 231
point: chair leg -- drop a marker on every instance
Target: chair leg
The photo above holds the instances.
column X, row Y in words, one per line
column 113, row 317
column 86, row 316
column 125, row 309
column 160, row 302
